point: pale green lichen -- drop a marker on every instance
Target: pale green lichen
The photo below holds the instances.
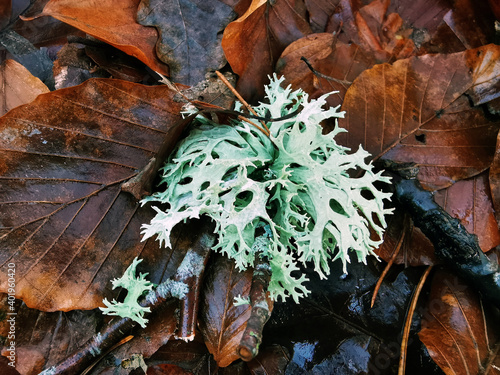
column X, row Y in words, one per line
column 136, row 286
column 288, row 197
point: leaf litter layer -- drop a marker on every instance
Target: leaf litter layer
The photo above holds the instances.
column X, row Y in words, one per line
column 440, row 27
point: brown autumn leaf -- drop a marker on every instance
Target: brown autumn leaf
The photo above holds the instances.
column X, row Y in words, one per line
column 253, row 43
column 415, row 249
column 391, row 27
column 113, row 22
column 17, row 86
column 221, row 322
column 456, row 330
column 383, row 33
column 342, row 62
column 415, row 110
column 64, row 220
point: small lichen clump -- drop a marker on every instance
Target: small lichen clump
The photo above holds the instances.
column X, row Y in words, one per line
column 136, row 286
column 288, row 196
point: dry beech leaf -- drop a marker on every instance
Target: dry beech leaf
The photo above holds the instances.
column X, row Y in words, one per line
column 253, row 43
column 113, row 22
column 342, row 62
column 189, row 35
column 17, row 86
column 456, row 330
column 64, row 220
column 221, row 322
column 415, row 111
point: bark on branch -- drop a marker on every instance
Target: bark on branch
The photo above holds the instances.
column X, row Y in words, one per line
column 453, row 244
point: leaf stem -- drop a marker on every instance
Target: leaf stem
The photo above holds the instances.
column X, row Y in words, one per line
column 243, row 101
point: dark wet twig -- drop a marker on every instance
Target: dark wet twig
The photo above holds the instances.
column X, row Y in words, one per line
column 453, row 244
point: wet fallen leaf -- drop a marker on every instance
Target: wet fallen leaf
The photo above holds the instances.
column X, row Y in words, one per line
column 254, row 42
column 271, row 360
column 190, row 35
column 455, row 328
column 414, row 111
column 18, row 86
column 113, row 22
column 221, row 322
column 415, row 248
column 64, row 220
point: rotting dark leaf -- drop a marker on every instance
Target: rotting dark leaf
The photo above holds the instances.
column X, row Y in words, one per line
column 64, row 220
column 43, row 339
column 189, row 35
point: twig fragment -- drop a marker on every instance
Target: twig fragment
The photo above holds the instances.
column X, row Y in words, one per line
column 409, row 316
column 243, row 101
column 260, row 313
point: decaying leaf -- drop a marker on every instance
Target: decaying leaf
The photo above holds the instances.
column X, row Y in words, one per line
column 113, row 22
column 467, row 200
column 17, row 86
column 190, row 34
column 43, row 339
column 415, row 111
column 64, row 220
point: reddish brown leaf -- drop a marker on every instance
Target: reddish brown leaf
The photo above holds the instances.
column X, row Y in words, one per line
column 221, row 322
column 455, row 327
column 188, row 354
column 18, row 86
column 112, row 22
column 253, row 42
column 64, row 220
column 399, row 28
column 415, row 111
column 342, row 62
